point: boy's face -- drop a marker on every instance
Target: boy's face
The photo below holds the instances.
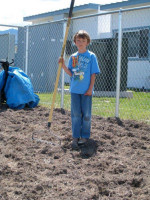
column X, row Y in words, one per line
column 81, row 44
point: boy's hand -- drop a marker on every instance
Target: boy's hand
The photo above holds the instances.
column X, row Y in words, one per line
column 88, row 92
column 61, row 60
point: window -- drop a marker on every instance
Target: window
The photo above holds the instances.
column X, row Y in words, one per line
column 137, row 43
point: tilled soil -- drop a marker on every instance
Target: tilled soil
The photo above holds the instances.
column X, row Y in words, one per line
column 113, row 165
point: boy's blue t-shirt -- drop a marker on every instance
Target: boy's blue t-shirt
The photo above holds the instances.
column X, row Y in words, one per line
column 82, row 66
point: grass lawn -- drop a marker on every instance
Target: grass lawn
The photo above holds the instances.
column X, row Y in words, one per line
column 137, row 108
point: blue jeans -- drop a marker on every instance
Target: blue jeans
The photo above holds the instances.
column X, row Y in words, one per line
column 81, row 107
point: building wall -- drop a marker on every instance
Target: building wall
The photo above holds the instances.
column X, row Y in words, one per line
column 90, row 25
column 98, row 27
column 42, row 20
column 138, row 68
column 136, row 18
column 104, row 26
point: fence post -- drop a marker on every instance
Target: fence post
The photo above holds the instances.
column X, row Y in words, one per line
column 8, row 57
column 62, row 72
column 26, row 50
column 118, row 63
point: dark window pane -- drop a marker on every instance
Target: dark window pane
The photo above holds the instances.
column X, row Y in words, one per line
column 137, row 43
column 133, row 43
column 143, row 53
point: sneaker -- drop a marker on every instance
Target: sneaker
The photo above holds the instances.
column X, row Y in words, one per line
column 74, row 144
column 82, row 141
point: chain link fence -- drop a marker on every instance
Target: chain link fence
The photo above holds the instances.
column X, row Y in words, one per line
column 121, row 42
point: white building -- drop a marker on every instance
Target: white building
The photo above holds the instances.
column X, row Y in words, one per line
column 135, row 26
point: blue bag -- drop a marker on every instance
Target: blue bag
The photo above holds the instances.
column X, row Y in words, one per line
column 18, row 89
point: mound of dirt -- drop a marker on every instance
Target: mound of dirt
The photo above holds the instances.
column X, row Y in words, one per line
column 113, row 165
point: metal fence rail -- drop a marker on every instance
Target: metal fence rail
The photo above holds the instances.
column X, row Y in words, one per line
column 121, row 41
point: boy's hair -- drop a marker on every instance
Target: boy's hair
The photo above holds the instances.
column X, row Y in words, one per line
column 82, row 34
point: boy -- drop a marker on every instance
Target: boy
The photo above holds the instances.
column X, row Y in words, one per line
column 82, row 68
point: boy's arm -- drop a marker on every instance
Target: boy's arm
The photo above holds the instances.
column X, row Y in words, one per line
column 89, row 91
column 61, row 60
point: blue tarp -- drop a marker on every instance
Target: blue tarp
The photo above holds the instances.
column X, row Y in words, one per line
column 18, row 90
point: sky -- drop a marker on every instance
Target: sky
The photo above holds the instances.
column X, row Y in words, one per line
column 13, row 11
